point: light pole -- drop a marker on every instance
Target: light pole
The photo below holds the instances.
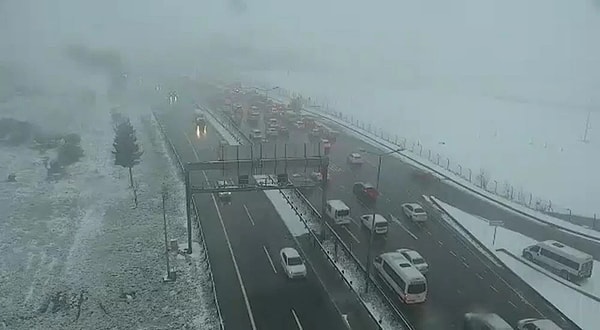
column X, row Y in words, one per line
column 372, row 230
column 165, row 193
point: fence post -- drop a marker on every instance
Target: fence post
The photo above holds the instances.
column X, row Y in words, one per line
column 495, row 187
column 438, row 159
column 594, row 223
column 421, row 149
column 413, row 147
column 396, row 140
column 470, row 172
column 530, row 197
column 448, row 164
column 460, row 170
column 429, row 155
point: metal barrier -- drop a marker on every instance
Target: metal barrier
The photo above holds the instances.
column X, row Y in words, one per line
column 339, row 240
column 353, row 257
column 180, row 165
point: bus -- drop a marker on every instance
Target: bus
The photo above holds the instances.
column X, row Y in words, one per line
column 402, row 277
column 567, row 261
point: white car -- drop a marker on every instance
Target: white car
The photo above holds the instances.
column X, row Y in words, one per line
column 224, row 195
column 381, row 224
column 355, row 159
column 256, row 134
column 272, row 131
column 299, row 124
column 292, row 263
column 415, row 259
column 537, row 324
column 414, row 212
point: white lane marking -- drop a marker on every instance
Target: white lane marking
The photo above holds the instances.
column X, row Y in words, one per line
column 428, row 232
column 192, row 145
column 249, row 216
column 465, row 264
column 270, row 260
column 479, row 275
column 397, row 221
column 496, row 290
column 452, row 253
column 440, row 243
column 235, row 265
column 513, row 305
column 351, row 235
column 296, row 319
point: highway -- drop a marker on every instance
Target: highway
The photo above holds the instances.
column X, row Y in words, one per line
column 461, row 279
column 244, row 239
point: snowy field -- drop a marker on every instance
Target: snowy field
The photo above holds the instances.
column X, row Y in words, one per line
column 75, row 253
column 509, row 99
column 579, row 308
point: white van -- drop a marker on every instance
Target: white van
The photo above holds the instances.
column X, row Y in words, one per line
column 402, row 277
column 338, row 211
column 569, row 262
column 381, row 224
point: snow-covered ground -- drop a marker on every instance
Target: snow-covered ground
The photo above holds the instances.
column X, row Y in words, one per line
column 511, row 99
column 521, row 147
column 75, row 253
column 580, row 308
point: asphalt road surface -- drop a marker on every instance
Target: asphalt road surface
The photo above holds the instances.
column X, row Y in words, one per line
column 460, row 279
column 244, row 240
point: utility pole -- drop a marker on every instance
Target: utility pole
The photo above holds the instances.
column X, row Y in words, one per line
column 587, row 126
column 169, row 277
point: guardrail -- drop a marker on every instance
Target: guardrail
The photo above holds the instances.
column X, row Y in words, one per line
column 571, row 286
column 496, row 259
column 448, row 178
column 353, row 257
column 198, row 223
column 329, row 258
column 341, row 242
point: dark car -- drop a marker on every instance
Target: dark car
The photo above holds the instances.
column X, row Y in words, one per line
column 365, row 192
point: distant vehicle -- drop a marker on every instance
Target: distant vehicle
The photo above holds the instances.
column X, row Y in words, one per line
column 381, row 224
column 317, row 176
column 253, row 117
column 256, row 134
column 537, row 324
column 415, row 259
column 414, row 211
column 224, row 195
column 315, row 133
column 355, row 159
column 264, row 140
column 567, row 261
column 273, row 122
column 365, row 192
column 299, row 124
column 338, row 211
column 485, row 321
column 402, row 277
column 272, row 132
column 292, row 263
column 284, row 131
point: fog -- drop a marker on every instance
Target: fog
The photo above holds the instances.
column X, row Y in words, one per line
column 533, row 47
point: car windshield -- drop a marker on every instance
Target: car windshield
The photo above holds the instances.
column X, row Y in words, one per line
column 343, row 213
column 294, row 261
column 418, row 261
column 417, row 288
column 419, row 210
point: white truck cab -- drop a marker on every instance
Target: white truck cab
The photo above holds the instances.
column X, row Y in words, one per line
column 338, row 212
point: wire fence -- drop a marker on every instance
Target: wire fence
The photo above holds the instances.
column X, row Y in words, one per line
column 480, row 178
column 197, row 223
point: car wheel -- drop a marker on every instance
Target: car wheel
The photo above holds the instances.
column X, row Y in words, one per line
column 528, row 256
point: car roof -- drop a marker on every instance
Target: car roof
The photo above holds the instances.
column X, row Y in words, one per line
column 378, row 217
column 338, row 204
column 355, row 154
column 546, row 324
column 256, row 130
column 414, row 205
column 413, row 254
column 556, row 245
column 395, row 259
column 492, row 319
column 290, row 252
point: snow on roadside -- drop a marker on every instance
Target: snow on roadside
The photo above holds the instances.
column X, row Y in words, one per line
column 551, row 287
column 75, row 254
column 377, row 141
